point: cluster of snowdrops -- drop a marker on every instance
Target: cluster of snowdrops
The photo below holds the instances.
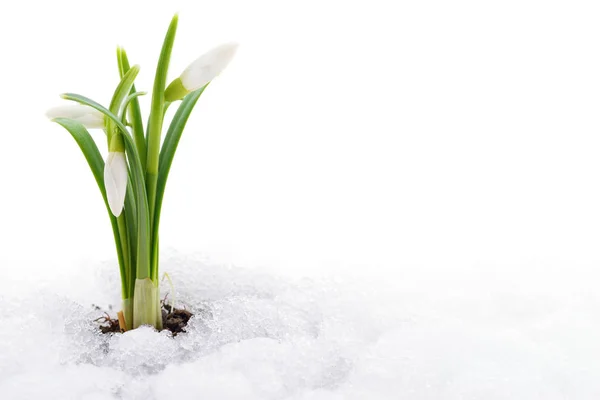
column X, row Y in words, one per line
column 132, row 180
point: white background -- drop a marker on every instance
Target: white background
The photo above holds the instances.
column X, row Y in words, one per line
column 346, row 137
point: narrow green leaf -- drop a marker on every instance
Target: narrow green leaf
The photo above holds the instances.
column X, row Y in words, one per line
column 167, row 152
column 158, row 98
column 94, row 158
column 130, row 214
column 143, row 216
column 115, row 142
column 126, row 103
column 88, row 148
column 91, row 103
column 155, row 123
column 123, row 89
column 133, row 110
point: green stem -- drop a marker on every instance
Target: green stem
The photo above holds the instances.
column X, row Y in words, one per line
column 155, row 257
column 146, row 304
column 127, row 306
column 122, row 267
column 130, row 212
column 123, row 235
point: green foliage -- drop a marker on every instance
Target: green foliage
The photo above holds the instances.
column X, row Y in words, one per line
column 148, row 165
column 92, row 155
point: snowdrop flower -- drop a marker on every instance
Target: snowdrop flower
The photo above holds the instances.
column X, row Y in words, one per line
column 87, row 116
column 202, row 71
column 115, row 181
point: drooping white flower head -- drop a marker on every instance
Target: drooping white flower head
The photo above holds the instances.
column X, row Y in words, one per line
column 203, row 70
column 115, row 181
column 87, row 116
column 208, row 66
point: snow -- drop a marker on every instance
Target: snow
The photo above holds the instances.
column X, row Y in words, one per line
column 445, row 151
column 264, row 336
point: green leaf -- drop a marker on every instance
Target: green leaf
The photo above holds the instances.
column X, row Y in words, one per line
column 167, row 152
column 158, row 98
column 115, row 142
column 123, row 89
column 139, row 187
column 155, row 123
column 133, row 110
column 94, row 158
column 97, row 106
column 126, row 103
column 126, row 221
column 130, row 215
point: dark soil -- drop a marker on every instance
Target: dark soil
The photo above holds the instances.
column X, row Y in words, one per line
column 174, row 320
column 108, row 324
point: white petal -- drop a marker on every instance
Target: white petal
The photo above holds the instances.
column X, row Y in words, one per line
column 208, row 66
column 92, row 121
column 115, row 181
column 87, row 116
column 67, row 111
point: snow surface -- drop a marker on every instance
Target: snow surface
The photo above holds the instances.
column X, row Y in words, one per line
column 268, row 337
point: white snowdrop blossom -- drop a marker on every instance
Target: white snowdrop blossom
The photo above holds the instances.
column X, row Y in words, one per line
column 87, row 116
column 203, row 70
column 208, row 66
column 115, row 181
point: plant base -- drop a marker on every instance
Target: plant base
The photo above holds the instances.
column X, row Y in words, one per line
column 173, row 320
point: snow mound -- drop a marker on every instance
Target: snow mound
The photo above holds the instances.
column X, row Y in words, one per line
column 257, row 336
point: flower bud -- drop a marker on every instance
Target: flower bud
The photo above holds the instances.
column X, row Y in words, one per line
column 87, row 116
column 115, row 181
column 202, row 71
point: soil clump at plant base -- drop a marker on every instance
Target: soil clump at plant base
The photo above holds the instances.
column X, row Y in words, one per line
column 174, row 320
